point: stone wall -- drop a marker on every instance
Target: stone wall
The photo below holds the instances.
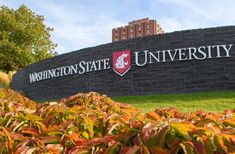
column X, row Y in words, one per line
column 157, row 78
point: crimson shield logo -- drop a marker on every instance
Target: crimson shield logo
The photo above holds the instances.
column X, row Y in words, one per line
column 122, row 62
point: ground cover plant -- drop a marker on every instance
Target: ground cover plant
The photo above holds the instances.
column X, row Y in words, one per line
column 94, row 123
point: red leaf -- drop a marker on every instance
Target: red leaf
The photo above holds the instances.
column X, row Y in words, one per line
column 50, row 139
column 199, row 147
column 129, row 150
column 30, row 131
column 19, row 137
column 159, row 150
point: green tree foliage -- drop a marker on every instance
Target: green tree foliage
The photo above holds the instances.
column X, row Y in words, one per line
column 24, row 38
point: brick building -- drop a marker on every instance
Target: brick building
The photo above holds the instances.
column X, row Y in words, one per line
column 136, row 28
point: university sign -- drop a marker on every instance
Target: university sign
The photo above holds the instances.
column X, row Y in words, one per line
column 122, row 60
column 178, row 62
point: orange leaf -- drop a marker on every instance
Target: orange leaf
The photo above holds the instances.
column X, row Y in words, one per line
column 30, row 131
column 153, row 116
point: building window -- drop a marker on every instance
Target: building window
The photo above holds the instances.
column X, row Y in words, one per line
column 131, row 35
column 116, row 39
column 131, row 29
column 147, row 26
column 115, row 34
column 139, row 28
column 139, row 34
column 123, row 31
column 123, row 37
column 147, row 31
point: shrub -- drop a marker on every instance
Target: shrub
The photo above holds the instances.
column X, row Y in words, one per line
column 94, row 123
column 5, row 79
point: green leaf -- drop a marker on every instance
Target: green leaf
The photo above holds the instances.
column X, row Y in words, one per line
column 24, row 38
column 182, row 128
column 85, row 135
column 89, row 126
column 129, row 136
column 55, row 132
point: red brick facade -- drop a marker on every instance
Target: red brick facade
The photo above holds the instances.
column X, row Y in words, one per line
column 136, row 28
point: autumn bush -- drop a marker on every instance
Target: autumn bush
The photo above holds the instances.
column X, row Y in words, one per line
column 94, row 123
column 6, row 78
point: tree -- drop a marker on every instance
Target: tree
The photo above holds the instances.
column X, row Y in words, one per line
column 24, row 38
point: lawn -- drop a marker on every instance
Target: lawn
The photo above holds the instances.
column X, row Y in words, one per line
column 207, row 101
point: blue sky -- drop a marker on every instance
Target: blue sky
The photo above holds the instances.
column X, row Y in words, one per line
column 84, row 23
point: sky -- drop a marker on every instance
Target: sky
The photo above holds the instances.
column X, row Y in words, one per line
column 85, row 23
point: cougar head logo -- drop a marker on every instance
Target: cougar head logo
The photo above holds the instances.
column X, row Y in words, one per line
column 122, row 62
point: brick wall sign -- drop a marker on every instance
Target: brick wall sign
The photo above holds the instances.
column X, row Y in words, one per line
column 179, row 62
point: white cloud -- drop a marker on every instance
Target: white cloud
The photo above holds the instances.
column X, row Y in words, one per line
column 77, row 36
column 189, row 14
column 85, row 23
column 74, row 29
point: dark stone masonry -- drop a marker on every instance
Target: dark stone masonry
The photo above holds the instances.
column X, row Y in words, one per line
column 166, row 77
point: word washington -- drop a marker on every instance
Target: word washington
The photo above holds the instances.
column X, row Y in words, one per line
column 140, row 59
column 80, row 68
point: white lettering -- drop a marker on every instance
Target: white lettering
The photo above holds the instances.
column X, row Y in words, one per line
column 181, row 52
column 227, row 50
column 74, row 69
column 209, row 51
column 202, row 53
column 32, row 77
column 67, row 70
column 106, row 63
column 137, row 58
column 99, row 64
column 199, row 53
column 152, row 55
column 81, row 65
column 93, row 66
column 192, row 52
column 217, row 50
column 163, row 56
column 172, row 57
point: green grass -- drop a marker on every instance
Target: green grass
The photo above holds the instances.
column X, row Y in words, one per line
column 207, row 101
